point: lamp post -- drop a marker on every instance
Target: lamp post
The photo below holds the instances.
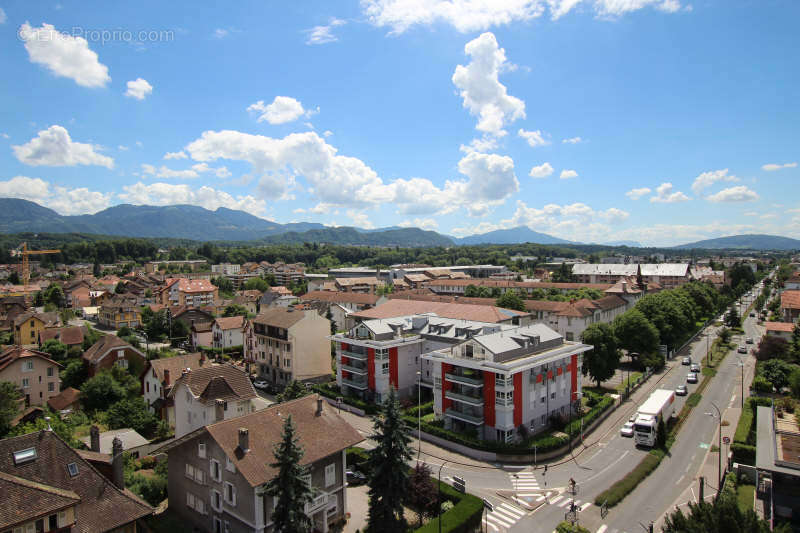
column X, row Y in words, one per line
column 439, row 498
column 741, row 365
column 719, row 447
column 419, row 414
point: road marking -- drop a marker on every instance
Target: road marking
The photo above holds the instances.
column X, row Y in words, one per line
column 556, row 500
column 564, row 503
column 703, row 445
column 585, row 506
column 680, row 479
column 609, row 466
column 602, row 529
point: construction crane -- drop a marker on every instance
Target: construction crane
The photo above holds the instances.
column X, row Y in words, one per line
column 24, row 253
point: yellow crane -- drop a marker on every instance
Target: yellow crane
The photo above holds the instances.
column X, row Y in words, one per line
column 24, row 253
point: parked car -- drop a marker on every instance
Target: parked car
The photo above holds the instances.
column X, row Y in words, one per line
column 627, row 430
column 742, row 349
column 752, row 313
column 691, row 378
column 695, row 367
column 632, row 418
column 686, row 361
column 355, row 478
column 260, row 384
column 749, row 340
column 681, row 390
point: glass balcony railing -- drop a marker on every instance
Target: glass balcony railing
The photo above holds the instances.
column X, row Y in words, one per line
column 464, row 398
column 360, row 370
column 360, row 384
column 473, row 380
column 471, row 418
column 354, row 355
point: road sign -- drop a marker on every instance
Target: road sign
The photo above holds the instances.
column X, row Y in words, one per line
column 488, row 505
column 726, row 440
column 571, row 516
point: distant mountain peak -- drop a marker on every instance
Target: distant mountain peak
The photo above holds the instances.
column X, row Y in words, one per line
column 746, row 242
column 517, row 235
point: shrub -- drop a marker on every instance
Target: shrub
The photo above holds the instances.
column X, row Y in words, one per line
column 368, row 407
column 693, row 399
column 743, row 453
column 566, row 527
column 761, row 385
column 614, row 494
column 464, row 517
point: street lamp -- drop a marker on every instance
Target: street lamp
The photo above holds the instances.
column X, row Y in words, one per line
column 741, row 365
column 439, row 499
column 719, row 447
column 419, row 414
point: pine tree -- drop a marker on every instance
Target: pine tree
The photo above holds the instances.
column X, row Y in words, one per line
column 289, row 515
column 388, row 481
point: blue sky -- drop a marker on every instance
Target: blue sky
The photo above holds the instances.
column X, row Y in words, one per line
column 659, row 121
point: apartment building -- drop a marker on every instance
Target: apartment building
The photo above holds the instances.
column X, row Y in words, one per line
column 366, row 285
column 29, row 325
column 494, row 383
column 285, row 274
column 289, row 345
column 790, row 305
column 457, row 287
column 218, row 474
column 119, row 311
column 188, row 292
column 33, row 372
column 666, row 275
column 228, row 332
column 111, row 351
column 160, row 375
column 342, row 304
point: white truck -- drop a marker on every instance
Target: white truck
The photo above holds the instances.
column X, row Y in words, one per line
column 659, row 406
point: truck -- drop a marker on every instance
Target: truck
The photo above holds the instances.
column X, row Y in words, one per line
column 659, row 406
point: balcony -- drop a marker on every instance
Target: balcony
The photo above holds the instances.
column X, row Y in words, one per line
column 501, row 383
column 362, row 371
column 464, row 416
column 318, row 501
column 359, row 384
column 354, row 355
column 464, row 398
column 469, row 380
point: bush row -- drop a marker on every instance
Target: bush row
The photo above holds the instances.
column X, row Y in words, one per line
column 616, row 492
column 743, row 453
column 368, row 407
column 464, row 517
column 420, row 410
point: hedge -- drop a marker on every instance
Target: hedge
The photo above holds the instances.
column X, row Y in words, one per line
column 464, row 517
column 746, row 428
column 368, row 407
column 422, row 410
column 616, row 492
column 743, row 453
column 356, row 458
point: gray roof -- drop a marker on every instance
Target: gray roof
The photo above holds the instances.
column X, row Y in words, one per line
column 510, row 339
column 664, row 269
column 129, row 437
column 594, row 269
column 766, row 444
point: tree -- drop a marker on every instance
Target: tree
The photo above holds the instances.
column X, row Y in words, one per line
column 257, row 284
column 661, row 434
column 293, row 390
column 9, row 405
column 120, row 288
column 74, row 374
column 101, row 391
column 54, row 294
column 388, row 479
column 732, row 319
column 771, row 347
column 329, row 316
column 603, row 360
column 635, row 333
column 422, row 494
column 56, row 349
column 289, row 485
column 13, row 278
column 223, row 284
column 725, row 335
column 132, row 413
column 777, row 372
column 235, row 310
column 511, row 300
column 794, row 345
column 794, row 383
column 124, row 331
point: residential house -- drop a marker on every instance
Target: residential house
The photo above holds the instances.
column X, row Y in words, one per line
column 110, row 350
column 10, row 309
column 494, row 383
column 790, row 305
column 204, row 395
column 29, row 325
column 77, row 293
column 367, row 285
column 777, row 464
column 783, row 330
column 667, row 275
column 69, row 335
column 120, row 311
column 793, row 282
column 219, row 473
column 249, row 299
column 33, row 371
column 285, row 274
column 290, row 345
column 202, row 335
column 47, row 486
column 341, row 304
column 227, row 332
column 132, row 441
column 190, row 315
column 188, row 292
column 158, row 378
column 66, row 401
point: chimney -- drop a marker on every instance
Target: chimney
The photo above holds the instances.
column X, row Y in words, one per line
column 116, row 463
column 166, row 377
column 94, row 436
column 202, row 358
column 319, row 407
column 219, row 410
column 244, row 440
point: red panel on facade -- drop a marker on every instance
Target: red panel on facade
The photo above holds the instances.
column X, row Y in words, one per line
column 345, row 360
column 488, row 398
column 345, row 374
column 518, row 399
column 446, row 403
column 539, row 378
column 573, row 369
column 345, row 346
column 549, row 374
column 371, row 369
column 559, row 370
column 393, row 373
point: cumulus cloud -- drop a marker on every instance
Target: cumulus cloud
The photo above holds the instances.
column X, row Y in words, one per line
column 707, row 179
column 739, row 193
column 485, row 144
column 772, row 167
column 534, row 138
column 54, row 147
column 3, row 17
column 61, row 199
column 220, row 33
column 139, row 89
column 64, row 55
column 572, row 140
column 483, row 95
column 665, row 195
column 283, row 109
column 208, row 197
column 324, row 34
column 568, row 174
column 422, row 223
column 635, row 194
column 360, row 220
column 541, row 171
column 168, row 173
column 176, row 155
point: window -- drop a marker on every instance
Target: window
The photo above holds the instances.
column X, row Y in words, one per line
column 27, row 366
column 51, row 387
column 24, row 456
column 72, row 468
column 230, row 494
column 384, row 368
column 189, row 416
column 216, row 500
column 49, row 371
column 544, row 419
column 147, row 386
column 52, row 522
column 40, row 525
column 229, row 466
column 330, row 474
column 217, row 525
column 504, row 398
column 122, row 363
column 201, row 450
column 216, row 472
column 552, row 395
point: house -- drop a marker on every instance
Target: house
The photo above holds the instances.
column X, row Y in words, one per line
column 70, row 335
column 9, row 311
column 33, row 371
column 202, row 335
column 66, row 401
column 48, row 486
column 790, row 305
column 793, row 282
column 481, row 313
column 28, row 326
column 191, row 315
column 227, row 332
column 290, row 345
column 77, row 293
column 367, row 285
column 783, row 330
column 777, row 463
column 341, row 304
column 204, row 395
column 132, row 441
column 458, row 287
column 219, row 473
column 667, row 275
column 188, row 292
column 494, row 383
column 158, row 378
column 249, row 299
column 120, row 311
column 110, row 350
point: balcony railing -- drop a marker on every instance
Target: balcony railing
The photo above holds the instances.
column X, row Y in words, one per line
column 466, row 417
column 465, row 380
column 354, row 355
column 503, row 383
column 464, row 398
column 360, row 384
column 362, row 371
column 318, row 501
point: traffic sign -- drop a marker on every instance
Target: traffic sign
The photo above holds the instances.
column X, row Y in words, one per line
column 726, row 440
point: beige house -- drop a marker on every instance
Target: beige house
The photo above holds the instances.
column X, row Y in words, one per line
column 290, row 345
column 33, row 371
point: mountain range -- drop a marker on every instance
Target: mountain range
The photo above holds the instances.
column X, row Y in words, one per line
column 746, row 242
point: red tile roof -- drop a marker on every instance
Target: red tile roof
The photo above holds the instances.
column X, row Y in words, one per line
column 230, row 322
column 64, row 399
column 790, row 300
column 71, row 336
column 191, row 285
column 224, row 382
column 12, row 353
column 478, row 313
column 785, row 327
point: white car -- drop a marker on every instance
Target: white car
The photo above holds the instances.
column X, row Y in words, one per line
column 627, row 430
column 691, row 378
column 260, row 384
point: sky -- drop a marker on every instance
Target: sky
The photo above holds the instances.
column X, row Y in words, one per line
column 655, row 121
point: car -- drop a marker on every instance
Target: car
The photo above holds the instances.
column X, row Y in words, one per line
column 742, row 349
column 752, row 314
column 627, row 430
column 749, row 340
column 691, row 377
column 695, row 367
column 681, row 390
column 260, row 384
column 632, row 418
column 686, row 361
column 355, row 478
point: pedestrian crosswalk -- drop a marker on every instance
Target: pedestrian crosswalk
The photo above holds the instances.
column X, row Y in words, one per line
column 564, row 500
column 503, row 517
column 524, row 483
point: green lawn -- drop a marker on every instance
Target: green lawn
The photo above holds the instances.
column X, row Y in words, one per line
column 745, row 495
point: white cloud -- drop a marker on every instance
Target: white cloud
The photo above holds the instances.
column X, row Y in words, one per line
column 220, row 33
column 541, row 171
column 635, row 194
column 176, row 155
column 707, row 179
column 768, row 216
column 283, row 109
column 122, row 148
column 739, row 193
column 534, row 138
column 327, row 133
column 665, row 195
column 324, row 34
column 485, row 144
column 572, row 140
column 64, row 55
column 5, row 135
column 750, row 213
column 139, row 89
column 3, row 17
column 567, row 174
column 772, row 167
column 208, row 197
column 168, row 173
column 54, row 147
column 422, row 223
column 360, row 220
column 615, row 8
column 483, row 95
column 61, row 199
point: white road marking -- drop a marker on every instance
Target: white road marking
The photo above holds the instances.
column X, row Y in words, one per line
column 680, row 479
column 564, row 503
column 602, row 529
column 556, row 500
column 585, row 506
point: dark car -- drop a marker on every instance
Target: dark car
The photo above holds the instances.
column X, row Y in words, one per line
column 355, row 477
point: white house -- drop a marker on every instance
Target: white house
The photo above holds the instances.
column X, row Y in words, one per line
column 228, row 332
